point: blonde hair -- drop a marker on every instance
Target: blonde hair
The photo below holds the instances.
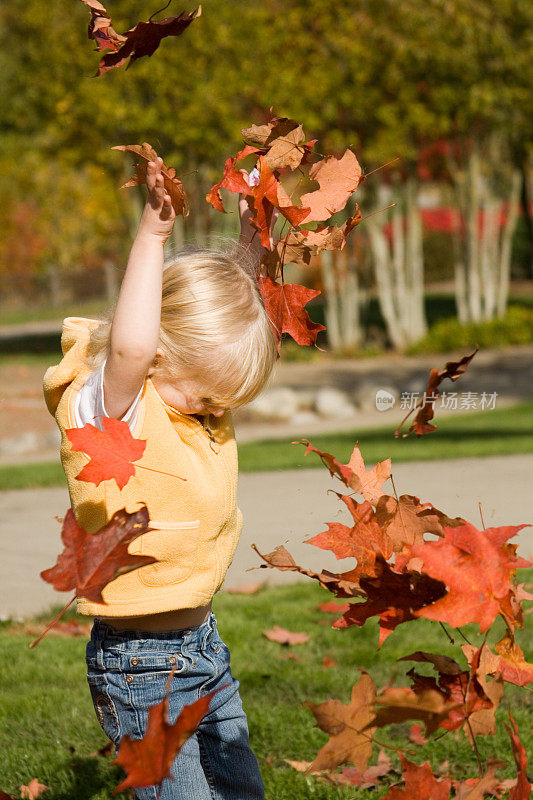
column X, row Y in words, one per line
column 214, row 328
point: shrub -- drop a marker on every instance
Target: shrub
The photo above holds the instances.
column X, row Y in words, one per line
column 516, row 327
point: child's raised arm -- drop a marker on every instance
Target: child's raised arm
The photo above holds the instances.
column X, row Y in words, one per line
column 137, row 318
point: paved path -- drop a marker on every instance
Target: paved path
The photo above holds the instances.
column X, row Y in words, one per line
column 279, row 508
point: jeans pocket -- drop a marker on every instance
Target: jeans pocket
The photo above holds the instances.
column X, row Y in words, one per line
column 104, row 707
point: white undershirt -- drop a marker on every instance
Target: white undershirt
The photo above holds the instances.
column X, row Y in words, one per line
column 90, row 408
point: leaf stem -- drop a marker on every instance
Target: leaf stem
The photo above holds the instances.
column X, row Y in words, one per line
column 160, row 472
column 481, row 515
column 160, row 10
column 448, row 634
column 51, row 624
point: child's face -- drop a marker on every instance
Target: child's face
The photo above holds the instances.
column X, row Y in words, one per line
column 185, row 396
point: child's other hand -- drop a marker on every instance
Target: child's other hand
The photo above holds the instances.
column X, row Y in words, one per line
column 249, row 233
column 158, row 215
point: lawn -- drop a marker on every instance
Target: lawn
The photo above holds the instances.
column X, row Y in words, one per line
column 499, row 432
column 48, row 729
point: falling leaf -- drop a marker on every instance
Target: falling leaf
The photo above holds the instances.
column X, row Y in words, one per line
column 420, row 783
column 393, row 597
column 522, row 789
column 476, row 567
column 33, row 790
column 354, row 474
column 400, row 704
column 348, row 726
column 363, row 541
column 333, row 608
column 173, row 186
column 338, row 178
column 233, row 179
column 144, row 39
column 477, row 788
column 268, row 195
column 284, row 636
column 100, row 28
column 148, row 761
column 89, row 561
column 452, row 370
column 405, row 520
column 284, row 304
column 342, row 585
column 283, row 140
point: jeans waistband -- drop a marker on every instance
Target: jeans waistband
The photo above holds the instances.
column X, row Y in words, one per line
column 197, row 635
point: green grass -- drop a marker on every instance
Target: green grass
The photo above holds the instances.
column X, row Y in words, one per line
column 500, row 432
column 48, row 728
column 47, row 313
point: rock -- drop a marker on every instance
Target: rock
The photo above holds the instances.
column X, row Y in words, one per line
column 370, row 396
column 279, row 403
column 330, row 402
column 305, row 399
column 304, row 417
column 27, row 442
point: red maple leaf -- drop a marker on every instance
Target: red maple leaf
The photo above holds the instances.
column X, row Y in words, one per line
column 284, row 304
column 522, row 789
column 476, row 567
column 233, row 179
column 354, row 474
column 111, row 451
column 89, row 561
column 419, row 783
column 148, row 761
column 270, row 194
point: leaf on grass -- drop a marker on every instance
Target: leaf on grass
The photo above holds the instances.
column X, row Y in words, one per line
column 284, row 305
column 327, row 662
column 144, row 39
column 351, row 776
column 476, row 567
column 477, row 788
column 416, row 735
column 89, row 561
column 33, row 790
column 420, row 783
column 349, row 727
column 284, row 636
column 148, row 761
column 173, row 185
column 338, row 178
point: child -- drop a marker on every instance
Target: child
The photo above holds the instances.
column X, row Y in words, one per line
column 188, row 341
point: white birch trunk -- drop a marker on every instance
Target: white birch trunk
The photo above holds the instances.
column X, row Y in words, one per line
column 343, row 299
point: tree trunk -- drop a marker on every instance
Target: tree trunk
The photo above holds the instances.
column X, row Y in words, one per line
column 398, row 262
column 343, row 299
column 487, row 195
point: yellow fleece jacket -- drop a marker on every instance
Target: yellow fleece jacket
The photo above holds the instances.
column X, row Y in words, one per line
column 196, row 522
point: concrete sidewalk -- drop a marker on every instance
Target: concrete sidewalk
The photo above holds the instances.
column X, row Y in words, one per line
column 279, row 508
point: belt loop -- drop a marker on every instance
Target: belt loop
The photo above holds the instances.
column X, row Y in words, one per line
column 99, row 653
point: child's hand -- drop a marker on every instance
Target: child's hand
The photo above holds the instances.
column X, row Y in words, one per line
column 158, row 215
column 249, row 233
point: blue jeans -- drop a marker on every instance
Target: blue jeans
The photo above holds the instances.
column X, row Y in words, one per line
column 127, row 672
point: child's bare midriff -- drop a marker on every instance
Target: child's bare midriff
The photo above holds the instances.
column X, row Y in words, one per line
column 166, row 621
